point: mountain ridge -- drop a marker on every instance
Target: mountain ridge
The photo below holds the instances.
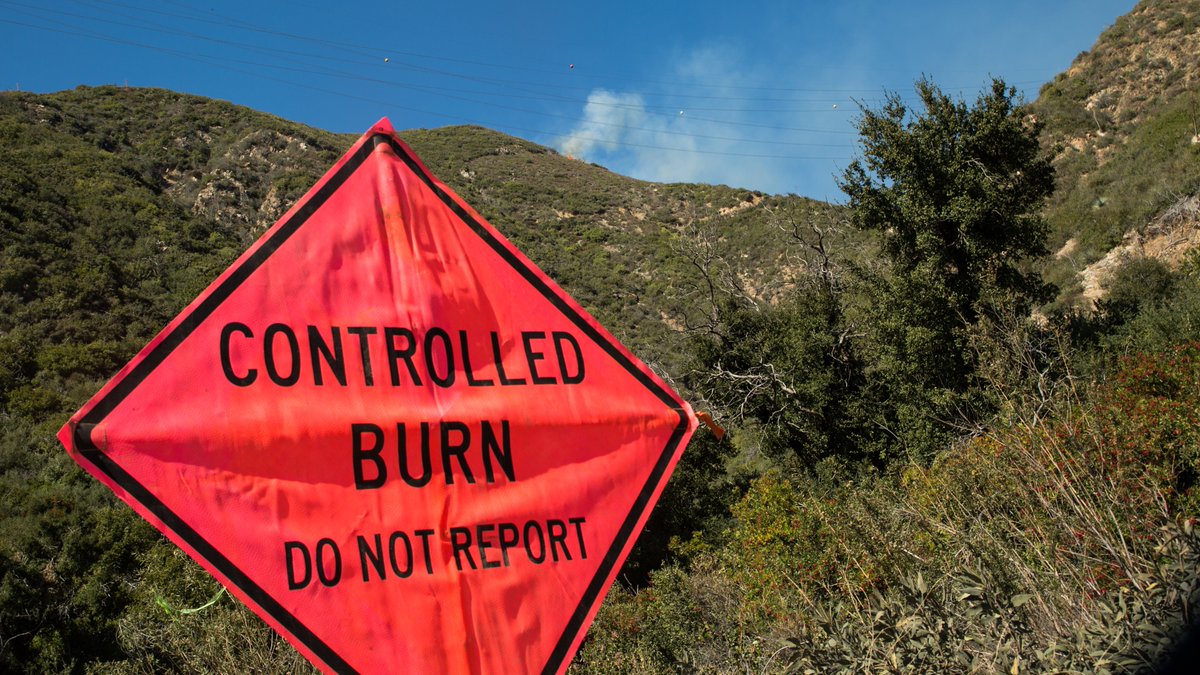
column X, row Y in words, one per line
column 1124, row 123
column 606, row 238
column 118, row 206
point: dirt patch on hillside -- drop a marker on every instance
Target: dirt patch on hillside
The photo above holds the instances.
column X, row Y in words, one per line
column 1170, row 237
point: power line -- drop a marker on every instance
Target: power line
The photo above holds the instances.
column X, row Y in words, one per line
column 451, row 93
column 376, row 51
column 537, row 96
column 316, row 64
column 221, row 20
column 218, row 63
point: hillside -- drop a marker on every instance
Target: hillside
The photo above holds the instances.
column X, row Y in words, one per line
column 1037, row 511
column 606, row 238
column 1125, row 121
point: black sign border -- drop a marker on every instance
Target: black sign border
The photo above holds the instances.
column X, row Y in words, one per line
column 92, row 453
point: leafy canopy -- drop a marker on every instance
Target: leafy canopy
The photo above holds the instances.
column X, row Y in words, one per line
column 955, row 189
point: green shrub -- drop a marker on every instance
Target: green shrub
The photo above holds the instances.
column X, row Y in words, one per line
column 1056, row 542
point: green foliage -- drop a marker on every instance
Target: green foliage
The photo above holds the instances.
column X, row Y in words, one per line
column 696, row 499
column 1131, row 46
column 1159, row 325
column 779, row 542
column 954, row 191
column 684, row 623
column 962, row 625
column 1061, row 103
column 96, row 257
column 1140, row 178
column 1149, row 309
column 790, row 369
column 1121, row 122
column 1140, row 282
column 179, row 618
column 67, row 558
column 1061, row 542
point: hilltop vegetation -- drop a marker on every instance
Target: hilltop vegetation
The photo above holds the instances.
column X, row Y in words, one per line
column 919, row 475
column 1124, row 122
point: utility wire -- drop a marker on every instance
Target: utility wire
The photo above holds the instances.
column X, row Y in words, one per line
column 623, row 77
column 221, row 20
column 376, row 52
column 313, row 63
column 442, row 91
column 296, row 55
column 218, row 63
column 439, row 91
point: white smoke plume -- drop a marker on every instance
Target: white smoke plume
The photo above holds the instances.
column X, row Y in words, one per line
column 609, row 119
column 721, row 132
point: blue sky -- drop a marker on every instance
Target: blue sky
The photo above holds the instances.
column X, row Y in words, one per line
column 761, row 95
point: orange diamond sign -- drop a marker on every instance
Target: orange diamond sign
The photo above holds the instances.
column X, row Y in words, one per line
column 390, row 434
